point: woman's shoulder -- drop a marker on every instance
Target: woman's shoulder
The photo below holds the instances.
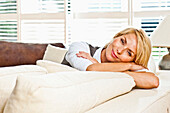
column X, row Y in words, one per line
column 79, row 44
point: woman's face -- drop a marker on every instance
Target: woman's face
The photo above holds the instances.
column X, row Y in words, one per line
column 122, row 49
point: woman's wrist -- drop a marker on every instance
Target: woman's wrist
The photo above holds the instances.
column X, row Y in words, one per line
column 135, row 67
column 130, row 65
column 93, row 60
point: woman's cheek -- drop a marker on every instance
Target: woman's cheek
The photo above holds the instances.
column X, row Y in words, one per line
column 109, row 55
column 116, row 42
column 123, row 58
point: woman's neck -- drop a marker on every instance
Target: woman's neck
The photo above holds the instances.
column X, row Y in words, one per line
column 103, row 56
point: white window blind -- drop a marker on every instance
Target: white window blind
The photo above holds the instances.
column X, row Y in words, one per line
column 96, row 21
column 42, row 30
column 8, row 20
column 43, row 22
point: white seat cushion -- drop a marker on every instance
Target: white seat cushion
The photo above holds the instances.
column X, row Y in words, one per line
column 151, row 65
column 155, row 100
column 66, row 92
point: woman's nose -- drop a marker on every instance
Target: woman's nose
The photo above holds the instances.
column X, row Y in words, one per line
column 120, row 50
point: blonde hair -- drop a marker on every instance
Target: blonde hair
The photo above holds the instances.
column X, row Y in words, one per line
column 143, row 45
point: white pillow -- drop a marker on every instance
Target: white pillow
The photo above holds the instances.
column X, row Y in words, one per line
column 53, row 67
column 66, row 92
column 8, row 77
column 54, row 54
column 151, row 65
column 7, row 84
column 22, row 69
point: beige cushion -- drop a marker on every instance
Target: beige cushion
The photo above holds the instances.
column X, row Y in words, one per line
column 22, row 69
column 53, row 67
column 7, row 84
column 9, row 76
column 151, row 65
column 66, row 92
column 54, row 54
column 137, row 101
column 155, row 100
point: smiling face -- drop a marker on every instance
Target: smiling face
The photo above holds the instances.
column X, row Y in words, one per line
column 122, row 49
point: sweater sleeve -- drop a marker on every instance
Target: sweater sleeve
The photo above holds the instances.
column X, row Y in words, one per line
column 78, row 62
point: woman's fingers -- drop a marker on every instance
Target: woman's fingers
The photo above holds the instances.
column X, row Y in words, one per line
column 86, row 56
column 83, row 54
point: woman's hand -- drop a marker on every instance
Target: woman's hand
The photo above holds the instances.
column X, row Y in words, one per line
column 134, row 67
column 146, row 80
column 86, row 56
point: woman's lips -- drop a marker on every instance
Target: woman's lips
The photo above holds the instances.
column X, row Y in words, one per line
column 113, row 54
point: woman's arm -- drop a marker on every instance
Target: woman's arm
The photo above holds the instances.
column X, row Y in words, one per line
column 78, row 62
column 145, row 80
column 86, row 56
column 114, row 67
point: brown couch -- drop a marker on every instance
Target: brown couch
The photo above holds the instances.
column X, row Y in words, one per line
column 13, row 53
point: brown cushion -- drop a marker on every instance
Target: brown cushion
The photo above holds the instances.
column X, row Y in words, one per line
column 12, row 53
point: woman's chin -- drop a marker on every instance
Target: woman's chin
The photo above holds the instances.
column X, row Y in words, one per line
column 110, row 58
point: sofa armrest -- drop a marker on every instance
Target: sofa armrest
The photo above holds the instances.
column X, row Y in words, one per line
column 53, row 67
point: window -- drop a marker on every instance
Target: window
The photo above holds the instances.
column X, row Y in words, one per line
column 147, row 15
column 8, row 20
column 43, row 22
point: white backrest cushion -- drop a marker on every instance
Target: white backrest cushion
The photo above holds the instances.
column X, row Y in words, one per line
column 66, row 92
column 151, row 65
column 7, row 84
column 8, row 77
column 53, row 67
column 54, row 54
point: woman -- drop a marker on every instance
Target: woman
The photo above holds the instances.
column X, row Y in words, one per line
column 128, row 52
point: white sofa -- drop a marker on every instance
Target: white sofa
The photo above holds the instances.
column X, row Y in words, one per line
column 50, row 87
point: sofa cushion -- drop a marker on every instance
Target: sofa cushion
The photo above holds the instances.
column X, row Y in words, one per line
column 8, row 77
column 12, row 53
column 152, row 65
column 53, row 67
column 54, row 54
column 7, row 84
column 66, row 92
column 22, row 69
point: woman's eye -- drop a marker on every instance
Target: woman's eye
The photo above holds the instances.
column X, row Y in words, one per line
column 122, row 41
column 129, row 53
